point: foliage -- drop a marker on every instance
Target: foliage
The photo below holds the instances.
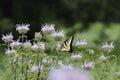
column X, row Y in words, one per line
column 31, row 63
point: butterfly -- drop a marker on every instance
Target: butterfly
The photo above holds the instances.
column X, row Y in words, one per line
column 67, row 46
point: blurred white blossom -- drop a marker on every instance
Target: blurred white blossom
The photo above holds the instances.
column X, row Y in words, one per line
column 58, row 35
column 15, row 44
column 104, row 58
column 76, row 56
column 8, row 51
column 7, row 38
column 48, row 28
column 108, row 47
column 118, row 74
column 22, row 28
column 44, row 60
column 35, row 68
column 56, row 74
column 38, row 46
column 38, row 36
column 88, row 66
column 81, row 44
column 60, row 62
column 66, row 67
column 27, row 45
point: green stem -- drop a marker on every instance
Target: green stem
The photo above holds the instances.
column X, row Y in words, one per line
column 39, row 70
column 103, row 70
column 22, row 55
column 27, row 59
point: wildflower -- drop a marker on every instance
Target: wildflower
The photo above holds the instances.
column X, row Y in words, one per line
column 35, row 68
column 66, row 67
column 38, row 36
column 108, row 47
column 58, row 35
column 118, row 74
column 8, row 51
column 22, row 28
column 15, row 44
column 103, row 58
column 38, row 47
column 76, row 56
column 35, row 47
column 7, row 38
column 88, row 66
column 27, row 45
column 60, row 62
column 56, row 74
column 48, row 28
column 44, row 60
column 81, row 44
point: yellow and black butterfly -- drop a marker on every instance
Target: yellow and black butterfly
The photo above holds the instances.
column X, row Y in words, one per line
column 67, row 46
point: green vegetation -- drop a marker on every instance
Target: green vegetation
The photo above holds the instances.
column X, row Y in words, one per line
column 94, row 36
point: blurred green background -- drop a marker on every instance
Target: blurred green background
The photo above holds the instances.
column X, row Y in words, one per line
column 63, row 13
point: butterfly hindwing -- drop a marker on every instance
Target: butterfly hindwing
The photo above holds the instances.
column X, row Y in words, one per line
column 67, row 46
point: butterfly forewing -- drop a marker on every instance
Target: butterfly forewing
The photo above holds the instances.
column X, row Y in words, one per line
column 67, row 46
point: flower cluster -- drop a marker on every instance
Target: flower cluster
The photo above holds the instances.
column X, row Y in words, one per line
column 22, row 28
column 8, row 51
column 38, row 47
column 81, row 44
column 108, row 47
column 76, row 56
column 38, row 36
column 104, row 58
column 15, row 44
column 7, row 38
column 58, row 35
column 88, row 66
column 27, row 45
column 48, row 28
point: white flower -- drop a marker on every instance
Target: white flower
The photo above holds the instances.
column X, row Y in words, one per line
column 34, row 68
column 44, row 60
column 41, row 46
column 15, row 44
column 103, row 58
column 56, row 74
column 38, row 47
column 108, row 47
column 8, row 51
column 88, row 66
column 58, row 35
column 60, row 62
column 38, row 36
column 48, row 28
column 35, row 47
column 66, row 67
column 76, row 56
column 81, row 44
column 118, row 74
column 27, row 45
column 7, row 38
column 22, row 28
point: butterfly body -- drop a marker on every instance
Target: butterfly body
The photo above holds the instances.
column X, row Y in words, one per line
column 67, row 46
